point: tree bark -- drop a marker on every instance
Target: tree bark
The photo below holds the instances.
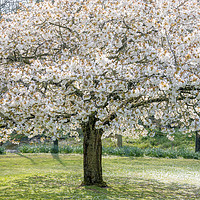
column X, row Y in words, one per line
column 92, row 154
column 197, row 142
column 119, row 140
column 55, row 146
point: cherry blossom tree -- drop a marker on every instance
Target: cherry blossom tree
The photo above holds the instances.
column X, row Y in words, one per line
column 101, row 66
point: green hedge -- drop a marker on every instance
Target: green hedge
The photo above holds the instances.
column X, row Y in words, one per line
column 2, row 150
column 123, row 151
column 49, row 149
column 34, row 149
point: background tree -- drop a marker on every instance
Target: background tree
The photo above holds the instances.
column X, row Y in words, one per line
column 197, row 142
column 102, row 66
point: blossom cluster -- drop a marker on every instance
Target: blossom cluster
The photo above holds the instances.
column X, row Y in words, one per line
column 129, row 64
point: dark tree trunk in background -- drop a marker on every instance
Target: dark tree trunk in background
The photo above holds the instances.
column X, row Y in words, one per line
column 55, row 146
column 92, row 154
column 197, row 142
column 119, row 140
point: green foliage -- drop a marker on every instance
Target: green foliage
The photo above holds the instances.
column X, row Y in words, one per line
column 54, row 150
column 66, row 149
column 170, row 153
column 2, row 150
column 151, row 152
column 46, row 148
column 26, row 148
column 161, row 141
column 155, row 152
column 50, row 176
column 78, row 149
column 185, row 153
column 123, row 151
column 160, row 153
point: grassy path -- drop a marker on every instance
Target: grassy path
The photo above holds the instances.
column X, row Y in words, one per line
column 46, row 176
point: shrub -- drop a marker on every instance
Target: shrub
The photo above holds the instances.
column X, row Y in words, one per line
column 78, row 149
column 66, row 149
column 49, row 149
column 2, row 150
column 54, row 150
column 156, row 152
column 44, row 149
column 122, row 151
column 34, row 149
column 134, row 151
column 24, row 149
column 171, row 154
column 188, row 154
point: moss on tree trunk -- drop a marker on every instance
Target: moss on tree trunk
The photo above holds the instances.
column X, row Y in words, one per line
column 92, row 152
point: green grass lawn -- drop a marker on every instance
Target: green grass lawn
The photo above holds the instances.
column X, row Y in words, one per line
column 46, row 176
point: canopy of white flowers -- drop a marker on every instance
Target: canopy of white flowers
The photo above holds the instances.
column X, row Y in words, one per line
column 129, row 64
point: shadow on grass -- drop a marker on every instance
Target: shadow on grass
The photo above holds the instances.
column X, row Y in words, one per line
column 56, row 157
column 138, row 188
column 19, row 154
column 66, row 186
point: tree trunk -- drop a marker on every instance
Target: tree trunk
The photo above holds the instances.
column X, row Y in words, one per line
column 55, row 146
column 197, row 142
column 119, row 140
column 92, row 153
